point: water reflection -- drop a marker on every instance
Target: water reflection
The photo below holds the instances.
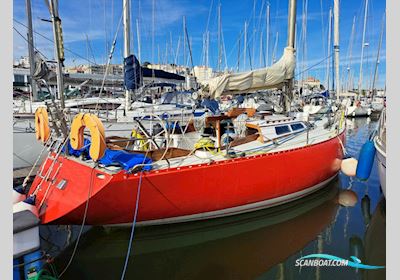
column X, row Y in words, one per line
column 342, row 219
column 347, row 198
column 375, row 241
column 241, row 247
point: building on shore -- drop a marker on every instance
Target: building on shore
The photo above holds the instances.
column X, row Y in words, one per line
column 93, row 77
column 113, row 69
column 311, row 83
column 21, row 78
column 22, row 62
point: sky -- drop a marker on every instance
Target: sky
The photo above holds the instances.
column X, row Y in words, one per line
column 90, row 26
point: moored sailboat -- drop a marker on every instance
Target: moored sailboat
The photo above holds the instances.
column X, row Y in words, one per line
column 264, row 161
column 380, row 145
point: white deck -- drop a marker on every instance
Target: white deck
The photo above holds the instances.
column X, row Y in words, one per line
column 316, row 135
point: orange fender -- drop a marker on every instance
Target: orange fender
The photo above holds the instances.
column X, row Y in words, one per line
column 96, row 128
column 42, row 128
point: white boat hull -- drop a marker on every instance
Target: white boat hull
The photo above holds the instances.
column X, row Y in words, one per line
column 355, row 111
column 381, row 161
column 312, row 109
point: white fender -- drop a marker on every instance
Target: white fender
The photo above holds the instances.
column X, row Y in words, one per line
column 349, row 166
column 347, row 198
column 203, row 154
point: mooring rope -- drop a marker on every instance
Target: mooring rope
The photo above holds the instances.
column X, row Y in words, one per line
column 134, row 221
column 83, row 222
column 133, row 227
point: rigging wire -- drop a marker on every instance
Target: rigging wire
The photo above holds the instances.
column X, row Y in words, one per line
column 322, row 27
column 50, row 40
column 260, row 29
column 109, row 61
column 223, row 46
column 209, row 15
column 241, row 33
column 316, row 64
column 90, row 47
column 23, row 37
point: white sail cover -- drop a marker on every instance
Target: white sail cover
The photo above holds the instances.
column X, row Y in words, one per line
column 236, row 83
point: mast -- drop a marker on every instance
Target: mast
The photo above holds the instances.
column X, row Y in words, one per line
column 362, row 49
column 224, row 50
column 184, row 40
column 87, row 48
column 267, row 42
column 30, row 49
column 290, row 44
column 127, row 52
column 291, row 23
column 203, row 49
column 166, row 52
column 253, row 40
column 219, row 38
column 350, row 53
column 158, row 55
column 336, row 4
column 138, row 39
column 245, row 45
column 328, row 65
column 304, row 43
column 59, row 49
column 261, row 49
column 238, row 58
column 171, row 49
column 152, row 35
column 275, row 47
column 177, row 50
column 189, row 41
column 207, row 46
column 378, row 54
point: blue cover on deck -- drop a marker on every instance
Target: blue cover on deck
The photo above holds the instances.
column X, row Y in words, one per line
column 325, row 93
column 124, row 159
column 77, row 153
column 198, row 113
column 211, row 104
column 113, row 157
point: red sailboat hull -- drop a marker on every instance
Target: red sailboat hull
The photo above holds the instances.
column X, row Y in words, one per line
column 187, row 193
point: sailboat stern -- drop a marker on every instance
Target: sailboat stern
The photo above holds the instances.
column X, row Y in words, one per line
column 65, row 184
